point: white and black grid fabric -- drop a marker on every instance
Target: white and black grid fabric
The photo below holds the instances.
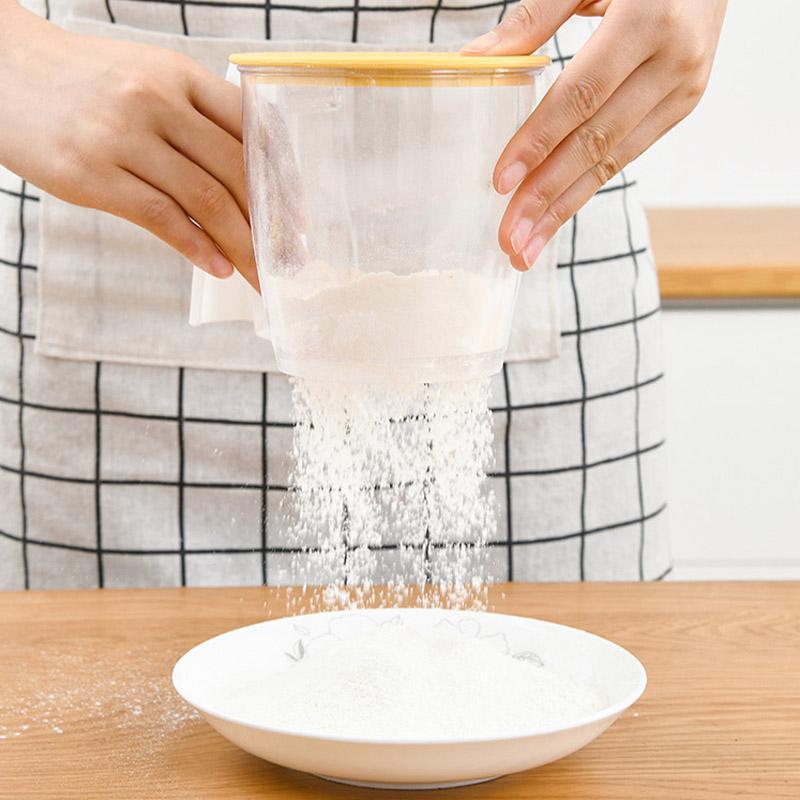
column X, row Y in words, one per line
column 120, row 475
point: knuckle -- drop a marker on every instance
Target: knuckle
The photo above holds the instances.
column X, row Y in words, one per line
column 695, row 89
column 595, row 142
column 585, row 96
column 177, row 61
column 184, row 70
column 538, row 147
column 212, row 198
column 538, row 196
column 692, row 57
column 605, row 169
column 526, row 15
column 683, row 39
column 142, row 89
column 154, row 211
column 558, row 214
column 136, row 86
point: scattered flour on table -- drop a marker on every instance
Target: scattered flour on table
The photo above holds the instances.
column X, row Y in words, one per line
column 397, row 682
column 389, row 487
column 92, row 690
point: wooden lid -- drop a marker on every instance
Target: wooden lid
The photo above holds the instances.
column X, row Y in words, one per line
column 391, row 68
column 393, row 62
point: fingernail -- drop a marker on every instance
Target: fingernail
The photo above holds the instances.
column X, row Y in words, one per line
column 220, row 266
column 482, row 43
column 511, row 176
column 520, row 233
column 532, row 250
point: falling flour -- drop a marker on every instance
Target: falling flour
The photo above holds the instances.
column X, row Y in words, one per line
column 389, row 480
column 397, row 682
column 389, row 487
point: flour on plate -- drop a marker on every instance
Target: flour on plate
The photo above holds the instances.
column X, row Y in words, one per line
column 398, row 682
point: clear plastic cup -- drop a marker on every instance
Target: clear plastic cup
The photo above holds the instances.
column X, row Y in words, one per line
column 374, row 218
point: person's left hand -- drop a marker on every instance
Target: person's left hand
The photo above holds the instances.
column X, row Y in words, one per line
column 642, row 71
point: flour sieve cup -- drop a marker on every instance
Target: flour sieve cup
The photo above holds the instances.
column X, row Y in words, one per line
column 373, row 213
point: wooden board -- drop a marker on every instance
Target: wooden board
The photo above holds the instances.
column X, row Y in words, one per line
column 720, row 718
column 717, row 253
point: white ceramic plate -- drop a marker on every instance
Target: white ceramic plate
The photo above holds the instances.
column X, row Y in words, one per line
column 267, row 648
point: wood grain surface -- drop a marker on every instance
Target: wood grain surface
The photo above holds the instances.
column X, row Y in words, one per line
column 725, row 253
column 720, row 717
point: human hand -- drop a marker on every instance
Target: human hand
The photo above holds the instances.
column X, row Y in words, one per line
column 138, row 131
column 642, row 71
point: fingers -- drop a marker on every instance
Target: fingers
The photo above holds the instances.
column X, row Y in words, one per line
column 215, row 150
column 203, row 198
column 593, row 75
column 162, row 216
column 564, row 207
column 524, row 29
column 593, row 9
column 218, row 100
column 589, row 147
column 274, row 142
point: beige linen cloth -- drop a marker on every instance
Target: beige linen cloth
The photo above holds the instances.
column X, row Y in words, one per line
column 109, row 291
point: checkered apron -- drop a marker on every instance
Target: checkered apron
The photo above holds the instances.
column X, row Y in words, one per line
column 115, row 474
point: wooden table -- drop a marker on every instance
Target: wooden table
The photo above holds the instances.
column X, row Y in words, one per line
column 727, row 253
column 720, row 718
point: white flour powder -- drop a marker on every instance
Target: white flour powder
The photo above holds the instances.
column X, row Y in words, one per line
column 389, row 478
column 396, row 682
column 389, row 486
column 344, row 315
column 88, row 688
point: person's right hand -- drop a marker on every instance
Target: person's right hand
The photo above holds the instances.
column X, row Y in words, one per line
column 143, row 133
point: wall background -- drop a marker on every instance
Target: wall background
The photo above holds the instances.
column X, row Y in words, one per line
column 733, row 385
column 733, row 436
column 741, row 146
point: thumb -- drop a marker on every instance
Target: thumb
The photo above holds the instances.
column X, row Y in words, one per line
column 524, row 30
